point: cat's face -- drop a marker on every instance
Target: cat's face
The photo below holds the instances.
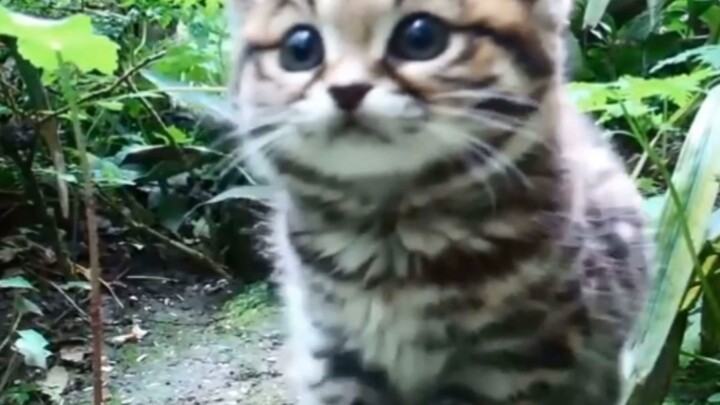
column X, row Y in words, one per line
column 360, row 88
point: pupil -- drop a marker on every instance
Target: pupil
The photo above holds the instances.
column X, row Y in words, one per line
column 301, row 50
column 301, row 45
column 419, row 35
column 419, row 38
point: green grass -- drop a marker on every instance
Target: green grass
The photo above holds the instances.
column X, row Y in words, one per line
column 251, row 306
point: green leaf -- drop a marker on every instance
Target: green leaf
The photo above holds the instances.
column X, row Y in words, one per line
column 162, row 162
column 706, row 54
column 655, row 8
column 253, row 193
column 16, row 283
column 695, row 181
column 653, row 208
column 26, row 306
column 110, row 105
column 32, row 346
column 714, row 226
column 40, row 40
column 594, row 12
column 78, row 285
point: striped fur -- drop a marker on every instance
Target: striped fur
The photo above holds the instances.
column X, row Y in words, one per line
column 468, row 238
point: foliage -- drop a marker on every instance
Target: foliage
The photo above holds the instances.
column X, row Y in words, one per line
column 642, row 68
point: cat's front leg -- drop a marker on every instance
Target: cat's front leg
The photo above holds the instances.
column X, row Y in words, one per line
column 590, row 384
column 326, row 368
column 338, row 377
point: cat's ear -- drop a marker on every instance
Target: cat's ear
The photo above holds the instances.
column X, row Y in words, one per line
column 238, row 8
column 553, row 14
column 240, row 5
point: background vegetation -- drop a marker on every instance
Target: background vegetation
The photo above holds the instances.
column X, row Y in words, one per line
column 92, row 116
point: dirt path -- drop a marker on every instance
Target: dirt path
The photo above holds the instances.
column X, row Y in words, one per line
column 201, row 348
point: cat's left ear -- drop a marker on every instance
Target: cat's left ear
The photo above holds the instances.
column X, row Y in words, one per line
column 552, row 14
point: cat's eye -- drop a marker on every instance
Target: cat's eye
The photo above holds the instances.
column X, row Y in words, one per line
column 301, row 49
column 419, row 37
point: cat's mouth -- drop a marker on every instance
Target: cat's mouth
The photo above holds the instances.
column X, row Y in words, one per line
column 351, row 125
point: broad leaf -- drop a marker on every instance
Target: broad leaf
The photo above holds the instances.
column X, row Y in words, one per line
column 16, row 283
column 40, row 40
column 32, row 346
column 25, row 306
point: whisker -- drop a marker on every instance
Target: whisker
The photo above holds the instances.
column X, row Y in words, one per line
column 498, row 121
column 481, row 95
column 442, row 135
column 493, row 155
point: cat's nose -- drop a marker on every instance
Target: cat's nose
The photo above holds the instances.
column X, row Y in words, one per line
column 349, row 97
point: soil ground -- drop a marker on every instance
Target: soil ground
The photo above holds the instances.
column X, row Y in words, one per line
column 207, row 343
column 204, row 340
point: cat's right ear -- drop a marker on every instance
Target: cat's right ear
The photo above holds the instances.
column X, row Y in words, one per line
column 237, row 9
column 240, row 5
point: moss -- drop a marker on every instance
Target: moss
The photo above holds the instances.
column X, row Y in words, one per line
column 252, row 305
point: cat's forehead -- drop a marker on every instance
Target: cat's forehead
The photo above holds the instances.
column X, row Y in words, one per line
column 370, row 10
column 270, row 18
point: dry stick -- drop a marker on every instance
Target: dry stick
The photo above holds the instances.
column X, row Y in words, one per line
column 88, row 195
column 180, row 247
column 34, row 193
column 98, row 94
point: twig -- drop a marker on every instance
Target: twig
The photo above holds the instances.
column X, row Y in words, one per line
column 67, row 311
column 89, row 197
column 88, row 275
column 8, row 371
column 13, row 328
column 70, row 300
column 97, row 94
column 32, row 189
column 156, row 278
column 180, row 247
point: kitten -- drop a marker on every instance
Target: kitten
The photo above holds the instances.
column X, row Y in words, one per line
column 448, row 230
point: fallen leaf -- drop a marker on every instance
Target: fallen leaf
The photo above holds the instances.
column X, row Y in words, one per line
column 32, row 346
column 55, row 382
column 134, row 336
column 8, row 254
column 73, row 354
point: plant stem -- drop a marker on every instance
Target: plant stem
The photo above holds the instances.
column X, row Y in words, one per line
column 88, row 196
column 13, row 328
column 32, row 189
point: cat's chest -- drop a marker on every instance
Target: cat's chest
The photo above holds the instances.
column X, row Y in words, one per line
column 380, row 251
column 388, row 331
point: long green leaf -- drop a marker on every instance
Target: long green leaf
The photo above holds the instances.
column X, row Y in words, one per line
column 695, row 180
column 655, row 7
column 594, row 12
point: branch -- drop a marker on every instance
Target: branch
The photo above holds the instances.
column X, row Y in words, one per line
column 100, row 93
column 178, row 246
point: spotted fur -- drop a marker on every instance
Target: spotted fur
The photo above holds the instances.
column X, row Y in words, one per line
column 469, row 238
